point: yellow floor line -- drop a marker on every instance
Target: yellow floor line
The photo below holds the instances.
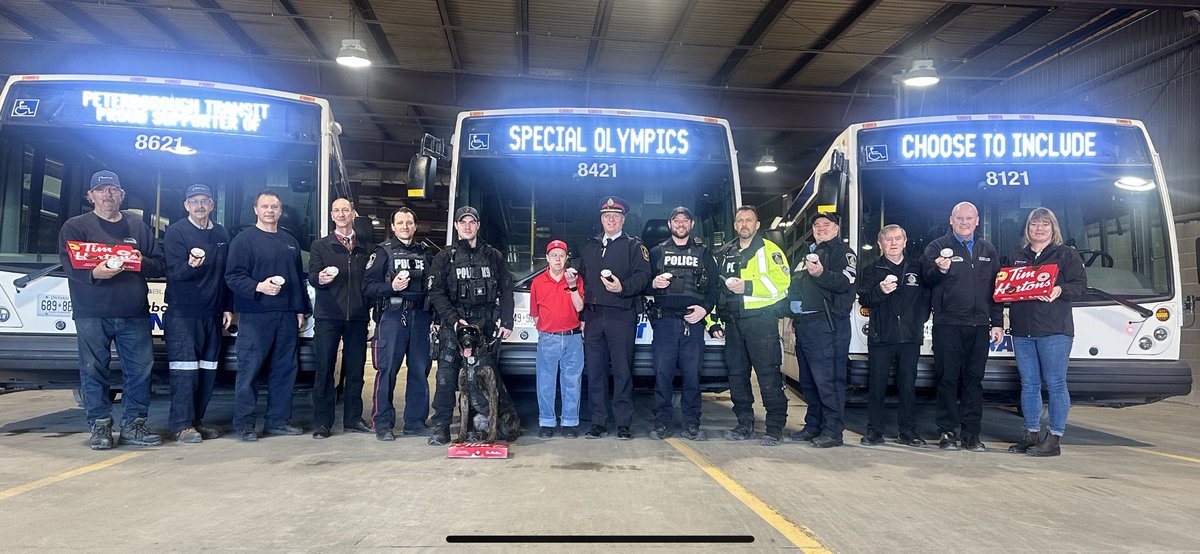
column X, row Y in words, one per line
column 1163, row 454
column 8, row 493
column 799, row 535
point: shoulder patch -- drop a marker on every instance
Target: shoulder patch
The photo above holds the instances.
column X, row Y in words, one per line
column 777, row 257
column 371, row 260
column 645, row 253
column 851, row 260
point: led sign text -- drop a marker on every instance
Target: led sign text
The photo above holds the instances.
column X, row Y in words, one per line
column 176, row 112
column 987, row 146
column 567, row 139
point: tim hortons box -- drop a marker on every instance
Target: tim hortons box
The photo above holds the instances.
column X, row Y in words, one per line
column 1014, row 284
column 478, row 450
column 87, row 255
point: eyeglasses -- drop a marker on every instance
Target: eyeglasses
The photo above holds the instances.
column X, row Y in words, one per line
column 109, row 191
column 199, row 202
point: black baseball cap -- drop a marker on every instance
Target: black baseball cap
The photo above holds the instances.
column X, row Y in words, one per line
column 464, row 212
column 831, row 216
column 681, row 210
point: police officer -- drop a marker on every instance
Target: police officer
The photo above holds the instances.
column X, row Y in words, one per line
column 616, row 270
column 685, row 288
column 755, row 274
column 894, row 290
column 397, row 280
column 471, row 286
column 821, row 295
column 336, row 265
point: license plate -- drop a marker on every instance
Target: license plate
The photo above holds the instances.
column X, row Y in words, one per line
column 53, row 305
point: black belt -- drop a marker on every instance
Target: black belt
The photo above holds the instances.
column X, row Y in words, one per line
column 574, row 331
column 396, row 303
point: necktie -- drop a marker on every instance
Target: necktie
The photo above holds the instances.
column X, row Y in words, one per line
column 346, row 241
column 969, row 244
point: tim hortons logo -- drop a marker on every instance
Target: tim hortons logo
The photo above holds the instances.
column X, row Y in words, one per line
column 1023, row 283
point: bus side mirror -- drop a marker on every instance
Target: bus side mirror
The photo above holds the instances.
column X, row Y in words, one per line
column 421, row 172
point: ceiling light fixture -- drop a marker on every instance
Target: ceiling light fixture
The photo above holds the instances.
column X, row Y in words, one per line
column 921, row 74
column 766, row 164
column 353, row 54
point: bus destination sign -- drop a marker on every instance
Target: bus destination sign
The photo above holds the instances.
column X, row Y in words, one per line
column 593, row 136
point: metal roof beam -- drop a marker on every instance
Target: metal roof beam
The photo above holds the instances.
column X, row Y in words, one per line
column 230, row 27
column 599, row 29
column 843, row 24
column 523, row 35
column 1008, row 33
column 1099, row 4
column 367, row 14
column 88, row 23
column 305, row 30
column 27, row 25
column 676, row 36
column 451, row 43
column 936, row 22
column 766, row 19
column 168, row 29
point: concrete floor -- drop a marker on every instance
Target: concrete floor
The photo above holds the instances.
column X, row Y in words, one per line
column 1128, row 480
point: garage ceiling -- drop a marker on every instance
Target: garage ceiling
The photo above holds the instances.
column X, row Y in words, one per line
column 787, row 74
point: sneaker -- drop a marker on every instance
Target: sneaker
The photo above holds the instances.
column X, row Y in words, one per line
column 740, row 433
column 285, row 429
column 570, row 432
column 545, row 432
column 247, row 434
column 322, row 432
column 596, row 432
column 803, row 435
column 207, row 433
column 872, row 438
column 189, row 436
column 439, row 436
column 660, row 432
column 102, row 438
column 693, row 433
column 970, row 442
column 137, row 433
column 623, row 433
column 909, row 438
column 771, row 439
column 825, row 441
column 947, row 441
column 385, row 435
column 1023, row 445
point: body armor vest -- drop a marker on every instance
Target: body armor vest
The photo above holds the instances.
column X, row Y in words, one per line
column 472, row 280
column 686, row 265
column 412, row 260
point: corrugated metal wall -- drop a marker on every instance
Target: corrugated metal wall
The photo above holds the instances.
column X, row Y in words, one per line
column 1148, row 70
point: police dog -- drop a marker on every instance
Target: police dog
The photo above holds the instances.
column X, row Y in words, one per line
column 484, row 404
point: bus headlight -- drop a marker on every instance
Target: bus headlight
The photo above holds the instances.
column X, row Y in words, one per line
column 1145, row 343
column 4, row 314
column 1160, row 334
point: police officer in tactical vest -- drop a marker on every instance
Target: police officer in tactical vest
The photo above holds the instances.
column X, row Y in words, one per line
column 471, row 286
column 685, row 289
column 397, row 280
column 615, row 269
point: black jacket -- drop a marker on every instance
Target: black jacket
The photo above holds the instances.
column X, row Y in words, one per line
column 342, row 298
column 391, row 257
column 442, row 290
column 627, row 258
column 832, row 293
column 124, row 295
column 963, row 295
column 686, row 290
column 196, row 291
column 898, row 317
column 1035, row 318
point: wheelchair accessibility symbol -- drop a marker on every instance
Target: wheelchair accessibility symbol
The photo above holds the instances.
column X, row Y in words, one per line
column 877, row 153
column 479, row 141
column 25, row 107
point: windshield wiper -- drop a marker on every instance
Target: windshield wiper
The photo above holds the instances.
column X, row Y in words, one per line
column 1144, row 312
column 20, row 282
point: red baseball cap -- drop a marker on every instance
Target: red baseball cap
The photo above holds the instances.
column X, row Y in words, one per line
column 556, row 244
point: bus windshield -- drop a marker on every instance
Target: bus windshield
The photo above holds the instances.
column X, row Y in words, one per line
column 55, row 134
column 528, row 199
column 1109, row 209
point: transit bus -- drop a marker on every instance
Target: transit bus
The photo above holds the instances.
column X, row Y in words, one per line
column 540, row 174
column 1100, row 176
column 160, row 136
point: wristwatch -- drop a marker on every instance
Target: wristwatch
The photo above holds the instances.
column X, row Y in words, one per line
column 573, row 289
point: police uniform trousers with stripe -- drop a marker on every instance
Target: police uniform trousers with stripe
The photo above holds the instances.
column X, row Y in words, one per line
column 608, row 352
column 752, row 340
column 193, row 349
column 402, row 333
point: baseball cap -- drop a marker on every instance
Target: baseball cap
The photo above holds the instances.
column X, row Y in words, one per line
column 831, row 216
column 681, row 210
column 104, row 177
column 197, row 189
column 464, row 212
column 614, row 204
column 556, row 244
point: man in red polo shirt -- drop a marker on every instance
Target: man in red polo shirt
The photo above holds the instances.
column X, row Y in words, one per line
column 555, row 299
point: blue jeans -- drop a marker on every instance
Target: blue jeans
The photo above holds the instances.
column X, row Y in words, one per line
column 559, row 356
column 1043, row 360
column 94, row 337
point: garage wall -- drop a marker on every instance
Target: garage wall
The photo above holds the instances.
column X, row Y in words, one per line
column 1147, row 70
